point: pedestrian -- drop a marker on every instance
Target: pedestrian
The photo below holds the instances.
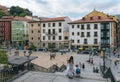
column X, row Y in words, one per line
column 80, row 65
column 83, row 66
column 77, row 71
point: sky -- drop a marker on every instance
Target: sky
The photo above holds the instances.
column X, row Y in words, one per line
column 74, row 9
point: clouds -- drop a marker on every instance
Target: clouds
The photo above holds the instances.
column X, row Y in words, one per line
column 71, row 8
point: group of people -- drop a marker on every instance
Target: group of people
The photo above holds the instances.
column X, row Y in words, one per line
column 74, row 71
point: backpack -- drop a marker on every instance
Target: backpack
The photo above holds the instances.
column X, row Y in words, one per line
column 77, row 71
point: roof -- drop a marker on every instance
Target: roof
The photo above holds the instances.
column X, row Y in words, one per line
column 93, row 20
column 53, row 19
column 18, row 60
column 21, row 19
column 95, row 17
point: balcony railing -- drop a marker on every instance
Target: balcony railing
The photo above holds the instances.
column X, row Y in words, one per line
column 50, row 34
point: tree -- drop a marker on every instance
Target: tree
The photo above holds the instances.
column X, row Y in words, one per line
column 18, row 11
column 3, row 57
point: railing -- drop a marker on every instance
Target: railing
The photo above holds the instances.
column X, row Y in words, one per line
column 51, row 34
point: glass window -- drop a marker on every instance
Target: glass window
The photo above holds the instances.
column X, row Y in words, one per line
column 95, row 34
column 43, row 30
column 60, row 37
column 72, row 26
column 78, row 41
column 43, row 25
column 85, row 41
column 88, row 34
column 82, row 27
column 95, row 41
column 60, row 24
column 72, row 33
column 95, row 26
column 53, row 37
column 53, row 24
column 88, row 26
column 82, row 34
column 49, row 24
column 78, row 26
column 60, row 30
column 43, row 37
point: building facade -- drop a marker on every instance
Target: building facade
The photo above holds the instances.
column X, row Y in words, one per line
column 54, row 31
column 34, row 33
column 95, row 30
column 5, row 29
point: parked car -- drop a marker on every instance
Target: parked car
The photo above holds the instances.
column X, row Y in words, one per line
column 86, row 52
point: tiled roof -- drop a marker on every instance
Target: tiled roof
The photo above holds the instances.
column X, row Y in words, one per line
column 22, row 19
column 92, row 19
column 53, row 19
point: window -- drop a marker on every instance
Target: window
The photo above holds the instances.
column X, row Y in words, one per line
column 88, row 34
column 85, row 41
column 60, row 24
column 53, row 31
column 53, row 24
column 43, row 25
column 95, row 41
column 72, row 33
column 31, row 25
column 78, row 33
column 43, row 30
column 32, row 31
column 91, row 18
column 78, row 41
column 38, row 38
column 38, row 31
column 82, row 27
column 60, row 37
column 66, row 38
column 60, row 30
column 72, row 26
column 49, row 31
column 99, row 17
column 88, row 26
column 49, row 24
column 78, row 26
column 53, row 37
column 38, row 24
column 95, row 26
column 82, row 34
column 95, row 34
column 43, row 37
column 32, row 38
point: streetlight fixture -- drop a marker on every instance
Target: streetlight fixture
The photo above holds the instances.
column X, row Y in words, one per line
column 27, row 55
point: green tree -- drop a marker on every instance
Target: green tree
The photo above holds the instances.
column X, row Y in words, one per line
column 18, row 11
column 3, row 57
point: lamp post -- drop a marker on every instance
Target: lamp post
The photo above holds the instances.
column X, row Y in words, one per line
column 27, row 55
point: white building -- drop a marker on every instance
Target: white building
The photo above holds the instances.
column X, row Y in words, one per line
column 95, row 30
column 55, row 31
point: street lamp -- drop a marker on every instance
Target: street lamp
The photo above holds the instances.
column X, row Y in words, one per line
column 27, row 55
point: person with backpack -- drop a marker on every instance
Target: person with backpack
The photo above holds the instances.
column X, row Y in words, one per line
column 77, row 71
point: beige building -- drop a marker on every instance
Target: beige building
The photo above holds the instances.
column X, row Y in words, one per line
column 34, row 33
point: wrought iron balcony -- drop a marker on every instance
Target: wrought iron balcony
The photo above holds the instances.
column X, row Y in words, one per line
column 50, row 34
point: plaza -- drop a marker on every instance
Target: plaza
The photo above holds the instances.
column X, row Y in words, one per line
column 43, row 60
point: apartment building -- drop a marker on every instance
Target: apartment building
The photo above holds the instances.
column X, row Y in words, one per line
column 95, row 30
column 34, row 33
column 55, row 31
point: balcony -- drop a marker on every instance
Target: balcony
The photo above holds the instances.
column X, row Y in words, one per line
column 51, row 34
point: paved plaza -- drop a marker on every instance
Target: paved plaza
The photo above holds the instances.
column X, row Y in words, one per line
column 43, row 59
